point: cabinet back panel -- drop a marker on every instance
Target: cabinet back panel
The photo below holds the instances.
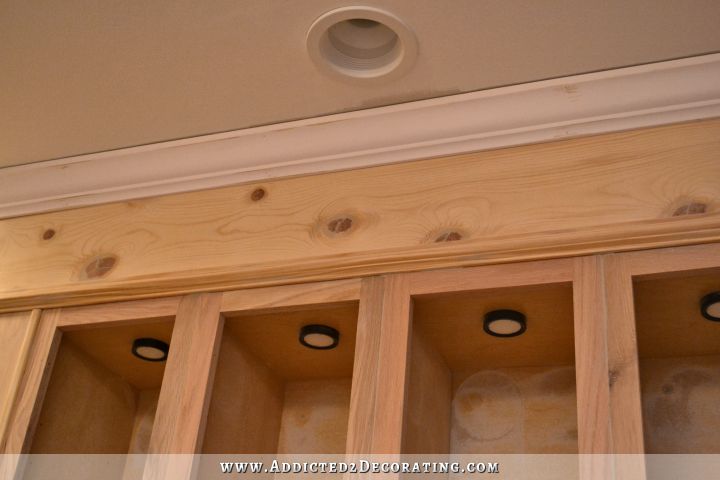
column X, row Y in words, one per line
column 515, row 410
column 315, row 417
column 680, row 398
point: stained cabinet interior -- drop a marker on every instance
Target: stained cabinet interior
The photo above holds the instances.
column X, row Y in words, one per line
column 100, row 397
column 273, row 395
column 470, row 392
column 679, row 353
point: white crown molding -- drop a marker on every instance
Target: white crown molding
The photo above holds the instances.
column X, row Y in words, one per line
column 588, row 104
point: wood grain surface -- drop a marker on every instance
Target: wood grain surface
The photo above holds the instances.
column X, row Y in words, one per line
column 639, row 189
column 16, row 334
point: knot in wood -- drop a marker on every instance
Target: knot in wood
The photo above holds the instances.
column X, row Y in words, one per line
column 340, row 225
column 257, row 194
column 693, row 208
column 100, row 266
column 448, row 237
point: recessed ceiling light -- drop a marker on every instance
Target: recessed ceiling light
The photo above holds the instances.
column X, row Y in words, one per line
column 319, row 337
column 504, row 323
column 150, row 349
column 710, row 306
column 361, row 43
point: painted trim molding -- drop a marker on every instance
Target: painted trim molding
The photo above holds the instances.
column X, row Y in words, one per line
column 589, row 104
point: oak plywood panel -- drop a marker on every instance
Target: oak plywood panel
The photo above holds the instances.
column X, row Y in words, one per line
column 146, row 406
column 454, row 322
column 514, row 411
column 87, row 408
column 246, row 403
column 680, row 404
column 315, row 417
column 273, row 338
column 679, row 354
column 667, row 311
column 111, row 347
column 429, row 397
column 628, row 190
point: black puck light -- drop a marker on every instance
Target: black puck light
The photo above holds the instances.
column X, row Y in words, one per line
column 710, row 306
column 504, row 323
column 150, row 349
column 319, row 337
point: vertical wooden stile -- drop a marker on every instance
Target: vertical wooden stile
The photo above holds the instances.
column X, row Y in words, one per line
column 593, row 395
column 184, row 397
column 379, row 385
column 16, row 335
column 623, row 371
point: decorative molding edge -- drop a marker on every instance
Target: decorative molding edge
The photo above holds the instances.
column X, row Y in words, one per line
column 588, row 104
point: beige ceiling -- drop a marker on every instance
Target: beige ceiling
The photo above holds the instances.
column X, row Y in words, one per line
column 80, row 76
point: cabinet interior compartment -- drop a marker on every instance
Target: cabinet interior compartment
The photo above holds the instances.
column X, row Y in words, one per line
column 470, row 392
column 100, row 397
column 679, row 357
column 273, row 395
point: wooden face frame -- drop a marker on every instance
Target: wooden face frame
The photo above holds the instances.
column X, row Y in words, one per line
column 606, row 359
column 622, row 350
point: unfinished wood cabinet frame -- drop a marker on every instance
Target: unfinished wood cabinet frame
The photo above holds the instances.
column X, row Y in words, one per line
column 43, row 350
column 381, row 363
column 190, row 364
column 622, row 350
column 383, row 332
column 606, row 363
column 584, row 273
column 622, row 338
column 606, row 354
column 370, row 293
column 625, row 405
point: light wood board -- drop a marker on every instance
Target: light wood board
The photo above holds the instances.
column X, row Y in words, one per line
column 16, row 334
column 33, row 385
column 640, row 189
column 185, row 392
column 380, row 379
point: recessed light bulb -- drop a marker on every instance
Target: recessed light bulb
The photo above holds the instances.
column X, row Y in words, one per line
column 710, row 306
column 504, row 323
column 150, row 349
column 319, row 337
